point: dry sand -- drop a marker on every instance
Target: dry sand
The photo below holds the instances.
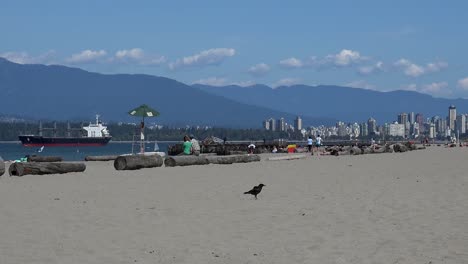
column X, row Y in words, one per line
column 388, row 208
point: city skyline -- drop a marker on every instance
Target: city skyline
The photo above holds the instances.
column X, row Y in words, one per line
column 406, row 125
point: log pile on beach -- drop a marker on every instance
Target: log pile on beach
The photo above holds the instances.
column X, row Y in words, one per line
column 41, row 168
column 375, row 149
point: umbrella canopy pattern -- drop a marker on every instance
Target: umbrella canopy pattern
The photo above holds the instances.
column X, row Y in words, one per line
column 143, row 111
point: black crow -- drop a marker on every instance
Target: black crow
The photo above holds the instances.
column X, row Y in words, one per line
column 256, row 190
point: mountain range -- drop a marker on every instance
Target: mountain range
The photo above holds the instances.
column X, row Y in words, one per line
column 341, row 103
column 54, row 92
column 63, row 93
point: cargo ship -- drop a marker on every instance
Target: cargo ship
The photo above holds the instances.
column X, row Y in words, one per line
column 96, row 135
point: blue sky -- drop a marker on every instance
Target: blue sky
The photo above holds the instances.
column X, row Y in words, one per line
column 413, row 45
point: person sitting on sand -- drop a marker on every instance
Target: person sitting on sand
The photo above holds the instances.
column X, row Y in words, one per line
column 195, row 146
column 275, row 150
column 187, row 146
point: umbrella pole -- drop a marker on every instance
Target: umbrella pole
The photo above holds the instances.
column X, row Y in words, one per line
column 142, row 136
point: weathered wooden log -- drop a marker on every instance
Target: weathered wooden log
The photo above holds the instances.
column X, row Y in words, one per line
column 410, row 145
column 355, row 151
column 100, row 158
column 421, row 147
column 288, row 157
column 136, row 162
column 41, row 168
column 233, row 159
column 35, row 158
column 378, row 150
column 173, row 161
column 367, row 150
column 2, row 166
column 400, row 148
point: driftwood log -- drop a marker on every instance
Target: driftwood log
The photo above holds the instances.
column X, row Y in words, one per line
column 232, row 159
column 379, row 150
column 35, row 158
column 288, row 157
column 400, row 148
column 101, row 158
column 173, row 161
column 40, row 168
column 136, row 162
column 2, row 166
column 355, row 151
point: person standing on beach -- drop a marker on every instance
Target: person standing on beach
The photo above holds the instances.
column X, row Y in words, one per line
column 310, row 143
column 195, row 146
column 318, row 143
column 187, row 146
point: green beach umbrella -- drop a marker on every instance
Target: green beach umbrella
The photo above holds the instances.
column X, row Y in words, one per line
column 143, row 111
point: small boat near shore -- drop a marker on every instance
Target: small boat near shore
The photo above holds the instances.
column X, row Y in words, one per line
column 96, row 135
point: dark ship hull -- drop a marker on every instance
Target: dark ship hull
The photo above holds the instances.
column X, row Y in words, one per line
column 39, row 141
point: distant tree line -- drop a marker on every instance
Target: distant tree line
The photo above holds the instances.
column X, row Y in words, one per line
column 126, row 132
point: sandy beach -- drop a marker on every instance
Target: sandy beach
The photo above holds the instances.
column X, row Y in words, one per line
column 388, row 208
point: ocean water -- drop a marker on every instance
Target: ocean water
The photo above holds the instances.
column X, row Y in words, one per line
column 13, row 151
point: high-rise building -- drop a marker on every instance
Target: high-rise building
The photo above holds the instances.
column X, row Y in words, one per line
column 396, row 130
column 411, row 118
column 420, row 121
column 341, row 129
column 403, row 119
column 461, row 124
column 440, row 126
column 363, row 130
column 281, row 125
column 432, row 132
column 371, row 126
column 452, row 117
column 272, row 124
column 266, row 124
column 298, row 123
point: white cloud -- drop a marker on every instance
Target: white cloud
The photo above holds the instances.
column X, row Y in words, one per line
column 291, row 63
column 410, row 87
column 24, row 58
column 244, row 83
column 436, row 66
column 87, row 56
column 259, row 69
column 377, row 67
column 345, row 58
column 463, row 83
column 138, row 56
column 435, row 88
column 286, row 82
column 204, row 58
column 217, row 81
column 361, row 84
column 212, row 81
column 414, row 70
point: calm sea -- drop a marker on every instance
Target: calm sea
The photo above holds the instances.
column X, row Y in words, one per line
column 13, row 151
